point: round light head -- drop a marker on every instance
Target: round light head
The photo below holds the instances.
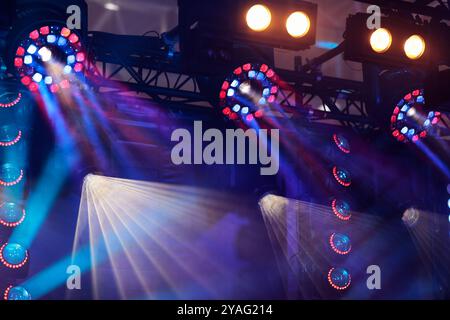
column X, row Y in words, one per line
column 248, row 93
column 410, row 121
column 342, row 176
column 339, row 278
column 298, row 24
column 341, row 142
column 341, row 209
column 13, row 255
column 258, row 17
column 340, row 243
column 49, row 57
column 16, row 293
column 414, row 47
column 11, row 214
column 381, row 40
column 10, row 175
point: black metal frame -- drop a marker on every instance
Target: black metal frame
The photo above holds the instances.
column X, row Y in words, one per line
column 159, row 74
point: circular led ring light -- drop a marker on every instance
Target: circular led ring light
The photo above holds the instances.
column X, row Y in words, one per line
column 342, row 176
column 234, row 89
column 340, row 243
column 339, row 278
column 10, row 100
column 341, row 209
column 54, row 45
column 16, row 293
column 403, row 113
column 342, row 143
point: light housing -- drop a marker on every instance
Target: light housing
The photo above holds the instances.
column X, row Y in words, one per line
column 217, row 33
column 11, row 214
column 385, row 46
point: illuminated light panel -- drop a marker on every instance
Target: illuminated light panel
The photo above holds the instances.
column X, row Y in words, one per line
column 13, row 255
column 405, row 125
column 247, row 93
column 341, row 209
column 11, row 214
column 381, row 40
column 342, row 143
column 340, row 243
column 298, row 24
column 342, row 176
column 14, row 102
column 16, row 293
column 258, row 17
column 339, row 278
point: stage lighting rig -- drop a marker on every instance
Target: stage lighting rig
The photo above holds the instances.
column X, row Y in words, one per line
column 400, row 42
column 220, row 32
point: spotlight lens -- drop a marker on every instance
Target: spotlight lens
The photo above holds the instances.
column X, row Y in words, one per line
column 381, row 40
column 414, row 47
column 298, row 24
column 258, row 17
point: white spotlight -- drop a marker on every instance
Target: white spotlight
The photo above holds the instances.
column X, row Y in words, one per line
column 112, row 6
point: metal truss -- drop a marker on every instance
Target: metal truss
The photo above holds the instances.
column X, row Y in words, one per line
column 438, row 9
column 144, row 66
